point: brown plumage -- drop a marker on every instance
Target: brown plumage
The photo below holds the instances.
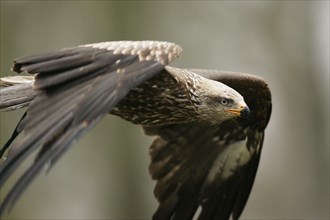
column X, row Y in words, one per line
column 208, row 143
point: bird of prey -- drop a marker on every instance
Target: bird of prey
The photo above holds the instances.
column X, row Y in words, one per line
column 209, row 125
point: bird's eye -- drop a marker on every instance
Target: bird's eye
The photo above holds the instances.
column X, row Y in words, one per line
column 224, row 101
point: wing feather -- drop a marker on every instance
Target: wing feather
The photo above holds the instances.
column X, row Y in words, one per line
column 77, row 88
column 16, row 96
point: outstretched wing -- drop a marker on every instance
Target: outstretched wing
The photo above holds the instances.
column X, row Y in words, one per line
column 76, row 87
column 208, row 171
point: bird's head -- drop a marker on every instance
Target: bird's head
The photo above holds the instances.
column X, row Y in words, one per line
column 222, row 103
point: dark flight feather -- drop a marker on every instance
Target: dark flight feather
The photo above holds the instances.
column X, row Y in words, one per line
column 62, row 113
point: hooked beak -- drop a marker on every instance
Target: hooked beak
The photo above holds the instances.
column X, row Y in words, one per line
column 242, row 111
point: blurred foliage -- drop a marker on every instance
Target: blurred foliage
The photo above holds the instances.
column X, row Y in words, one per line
column 105, row 174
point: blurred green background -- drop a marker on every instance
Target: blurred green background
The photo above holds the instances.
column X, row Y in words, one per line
column 104, row 176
